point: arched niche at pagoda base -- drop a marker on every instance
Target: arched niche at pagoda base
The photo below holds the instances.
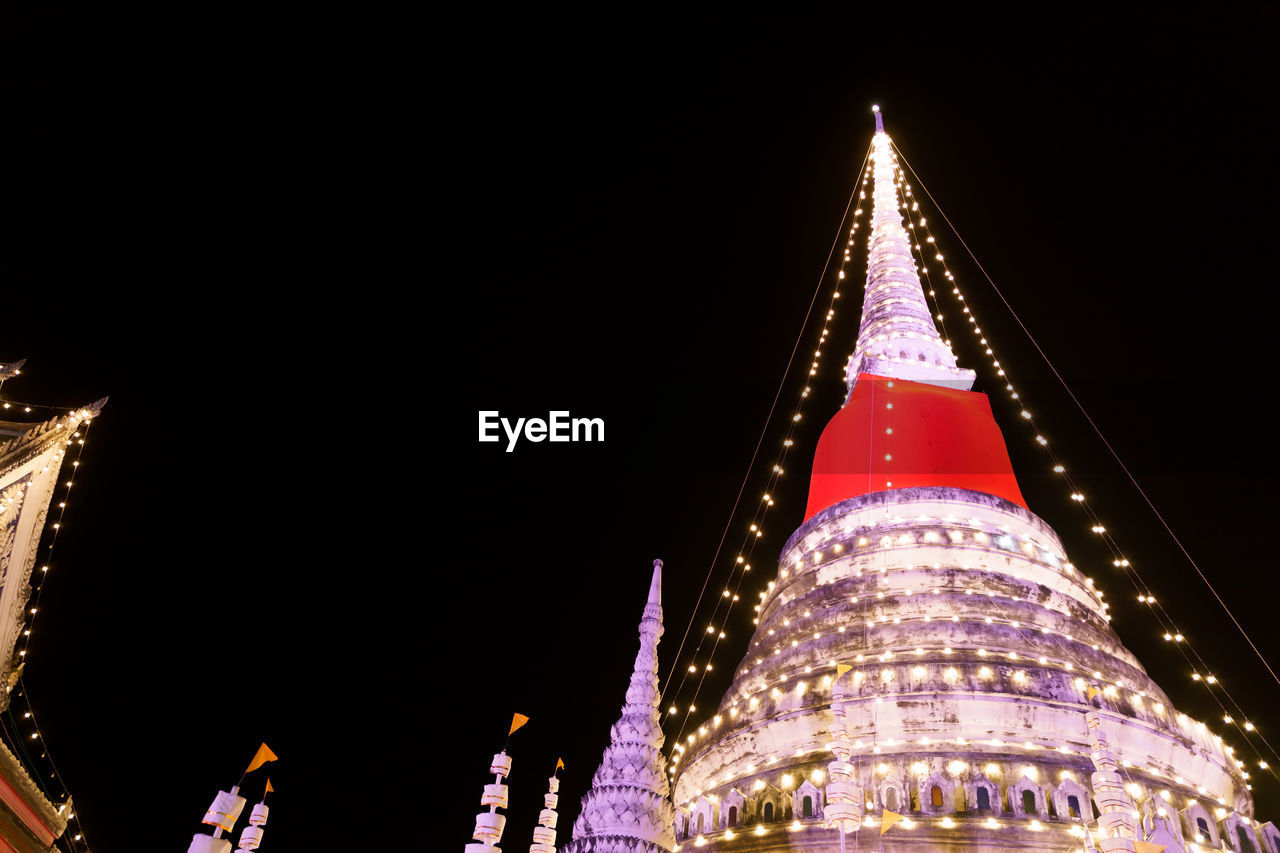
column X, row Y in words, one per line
column 769, row 804
column 1196, row 820
column 681, row 823
column 941, row 802
column 813, row 793
column 1239, row 834
column 974, row 801
column 893, row 795
column 1071, row 801
column 1269, row 837
column 702, row 817
column 1019, row 801
column 734, row 810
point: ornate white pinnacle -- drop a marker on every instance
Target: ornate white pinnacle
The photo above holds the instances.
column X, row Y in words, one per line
column 897, row 337
column 1115, row 806
column 544, row 834
column 844, row 797
column 628, row 809
column 489, row 825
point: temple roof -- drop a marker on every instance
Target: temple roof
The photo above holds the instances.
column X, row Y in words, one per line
column 19, row 441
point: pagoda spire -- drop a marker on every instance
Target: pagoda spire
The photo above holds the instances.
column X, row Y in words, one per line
column 897, row 337
column 628, row 809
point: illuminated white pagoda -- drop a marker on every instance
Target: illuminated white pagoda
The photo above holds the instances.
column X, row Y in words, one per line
column 976, row 647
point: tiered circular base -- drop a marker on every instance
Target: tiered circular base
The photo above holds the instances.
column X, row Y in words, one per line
column 976, row 647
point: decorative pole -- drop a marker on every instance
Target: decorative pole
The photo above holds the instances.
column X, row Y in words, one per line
column 544, row 834
column 844, row 798
column 225, row 811
column 251, row 837
column 489, row 825
column 1114, row 803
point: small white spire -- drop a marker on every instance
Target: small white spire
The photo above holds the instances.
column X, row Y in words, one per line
column 628, row 807
column 655, row 585
column 1116, row 808
column 879, row 119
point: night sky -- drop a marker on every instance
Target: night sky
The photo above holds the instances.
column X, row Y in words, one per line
column 300, row 255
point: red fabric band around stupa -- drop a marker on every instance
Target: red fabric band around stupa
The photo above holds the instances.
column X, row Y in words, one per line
column 939, row 437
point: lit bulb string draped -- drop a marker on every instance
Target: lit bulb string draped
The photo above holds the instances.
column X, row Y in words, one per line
column 756, row 452
column 1168, row 626
column 1133, row 480
column 755, row 529
column 1171, row 632
column 75, row 841
column 10, row 406
column 7, row 406
column 1166, row 622
column 45, row 562
column 754, row 532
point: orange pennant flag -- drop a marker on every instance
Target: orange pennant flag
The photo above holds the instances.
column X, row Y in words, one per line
column 1147, row 847
column 517, row 720
column 269, row 788
column 559, row 764
column 261, row 757
column 887, row 820
column 1091, row 691
column 842, row 668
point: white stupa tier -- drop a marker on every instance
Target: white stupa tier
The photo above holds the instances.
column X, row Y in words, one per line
column 897, row 336
column 628, row 808
column 973, row 641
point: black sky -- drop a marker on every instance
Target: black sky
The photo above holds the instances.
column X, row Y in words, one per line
column 300, row 255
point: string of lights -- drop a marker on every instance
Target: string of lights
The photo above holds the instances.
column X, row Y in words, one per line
column 26, row 407
column 777, row 470
column 755, row 529
column 1097, row 430
column 1093, row 424
column 1168, row 627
